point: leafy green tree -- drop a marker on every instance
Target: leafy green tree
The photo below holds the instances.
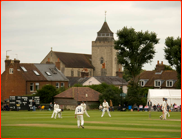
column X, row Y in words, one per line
column 47, row 93
column 173, row 55
column 61, row 89
column 135, row 49
column 113, row 94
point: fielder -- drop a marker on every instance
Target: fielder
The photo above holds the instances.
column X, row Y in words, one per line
column 57, row 111
column 105, row 107
column 164, row 109
column 167, row 113
column 79, row 113
column 84, row 108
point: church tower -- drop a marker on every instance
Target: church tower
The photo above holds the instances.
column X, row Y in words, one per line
column 104, row 58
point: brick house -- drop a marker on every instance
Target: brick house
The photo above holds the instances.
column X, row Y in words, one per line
column 159, row 78
column 69, row 98
column 21, row 79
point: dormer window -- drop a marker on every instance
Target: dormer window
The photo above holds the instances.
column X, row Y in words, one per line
column 48, row 73
column 142, row 83
column 157, row 83
column 24, row 69
column 169, row 83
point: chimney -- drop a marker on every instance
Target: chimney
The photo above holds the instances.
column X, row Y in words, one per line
column 48, row 61
column 16, row 63
column 119, row 74
column 84, row 73
column 58, row 64
column 158, row 62
column 7, row 63
column 161, row 62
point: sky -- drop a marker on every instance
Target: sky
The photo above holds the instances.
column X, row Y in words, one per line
column 30, row 28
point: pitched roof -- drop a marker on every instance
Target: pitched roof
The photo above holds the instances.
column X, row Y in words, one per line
column 115, row 80
column 105, row 28
column 165, row 75
column 29, row 74
column 75, row 60
column 79, row 94
column 77, row 80
column 55, row 74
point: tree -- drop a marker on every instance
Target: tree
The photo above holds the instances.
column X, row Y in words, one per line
column 47, row 93
column 135, row 49
column 173, row 55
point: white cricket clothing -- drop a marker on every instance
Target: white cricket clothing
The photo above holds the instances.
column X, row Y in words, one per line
column 79, row 112
column 105, row 107
column 56, row 111
column 84, row 109
column 84, row 106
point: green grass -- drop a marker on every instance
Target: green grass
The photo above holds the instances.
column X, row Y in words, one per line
column 28, row 124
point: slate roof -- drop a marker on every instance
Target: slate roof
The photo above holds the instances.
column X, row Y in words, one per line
column 75, row 60
column 104, row 29
column 56, row 75
column 115, row 80
column 79, row 94
column 77, row 80
column 165, row 75
column 29, row 74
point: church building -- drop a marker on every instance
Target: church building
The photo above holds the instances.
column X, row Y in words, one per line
column 102, row 62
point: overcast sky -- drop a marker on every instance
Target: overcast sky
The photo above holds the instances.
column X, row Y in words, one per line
column 31, row 28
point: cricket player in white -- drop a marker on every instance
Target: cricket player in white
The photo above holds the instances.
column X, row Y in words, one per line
column 84, row 108
column 57, row 111
column 105, row 107
column 167, row 113
column 79, row 114
column 164, row 109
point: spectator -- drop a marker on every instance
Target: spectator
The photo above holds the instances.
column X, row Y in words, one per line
column 100, row 107
column 140, row 107
column 111, row 106
column 50, row 106
column 124, row 108
column 155, row 107
column 150, row 107
column 119, row 107
column 158, row 107
column 135, row 107
column 33, row 104
column 171, row 107
column 146, row 108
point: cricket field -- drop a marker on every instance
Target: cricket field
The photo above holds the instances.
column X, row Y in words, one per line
column 38, row 124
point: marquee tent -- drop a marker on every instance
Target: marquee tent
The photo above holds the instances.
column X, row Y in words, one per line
column 172, row 95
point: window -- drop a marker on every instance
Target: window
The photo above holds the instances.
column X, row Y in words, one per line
column 72, row 73
column 36, row 73
column 157, row 83
column 101, row 60
column 24, row 69
column 142, row 83
column 48, row 73
column 169, row 83
column 37, row 86
column 78, row 73
column 10, row 70
column 31, row 86
column 62, row 84
column 57, row 85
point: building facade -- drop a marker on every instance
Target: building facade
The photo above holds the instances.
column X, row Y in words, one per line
column 21, row 79
column 104, row 56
